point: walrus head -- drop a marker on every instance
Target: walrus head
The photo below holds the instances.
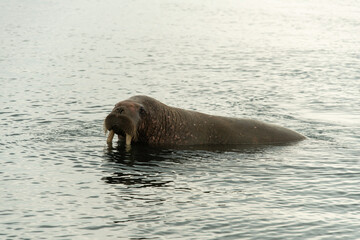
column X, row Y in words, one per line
column 124, row 120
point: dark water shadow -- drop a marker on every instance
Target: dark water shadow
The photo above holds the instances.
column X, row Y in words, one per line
column 136, row 154
column 149, row 166
column 151, row 155
column 138, row 166
column 135, row 180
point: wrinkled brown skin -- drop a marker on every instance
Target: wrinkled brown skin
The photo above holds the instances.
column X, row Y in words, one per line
column 152, row 122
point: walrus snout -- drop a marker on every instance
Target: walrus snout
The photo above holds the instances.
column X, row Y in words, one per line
column 121, row 125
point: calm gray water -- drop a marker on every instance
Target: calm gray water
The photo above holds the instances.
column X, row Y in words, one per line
column 64, row 64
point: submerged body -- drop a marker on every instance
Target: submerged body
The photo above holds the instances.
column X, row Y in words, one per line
column 145, row 120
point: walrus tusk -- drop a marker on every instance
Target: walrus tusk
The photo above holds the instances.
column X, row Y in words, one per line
column 128, row 139
column 110, row 137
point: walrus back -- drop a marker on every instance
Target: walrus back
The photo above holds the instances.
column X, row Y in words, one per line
column 209, row 129
column 176, row 126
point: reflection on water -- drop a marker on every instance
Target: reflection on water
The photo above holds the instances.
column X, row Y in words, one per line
column 141, row 165
column 126, row 161
column 139, row 180
column 150, row 155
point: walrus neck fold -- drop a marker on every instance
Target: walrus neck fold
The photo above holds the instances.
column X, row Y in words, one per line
column 163, row 128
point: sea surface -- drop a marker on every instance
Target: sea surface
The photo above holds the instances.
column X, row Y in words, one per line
column 64, row 64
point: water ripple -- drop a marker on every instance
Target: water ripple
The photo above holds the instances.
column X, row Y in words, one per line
column 292, row 63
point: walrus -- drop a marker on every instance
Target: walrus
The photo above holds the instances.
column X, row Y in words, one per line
column 142, row 119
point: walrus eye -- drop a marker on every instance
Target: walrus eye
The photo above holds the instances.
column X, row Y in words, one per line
column 142, row 111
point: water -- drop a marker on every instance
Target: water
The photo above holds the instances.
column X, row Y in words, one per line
column 64, row 64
